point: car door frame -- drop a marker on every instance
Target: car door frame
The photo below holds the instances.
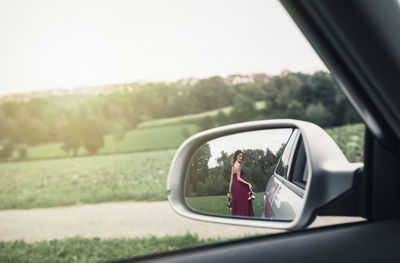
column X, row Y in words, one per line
column 335, row 29
column 284, row 183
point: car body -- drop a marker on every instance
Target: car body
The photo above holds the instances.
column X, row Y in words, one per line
column 285, row 188
column 359, row 42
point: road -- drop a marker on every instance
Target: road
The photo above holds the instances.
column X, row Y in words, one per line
column 117, row 220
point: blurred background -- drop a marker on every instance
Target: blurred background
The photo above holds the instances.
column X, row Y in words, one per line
column 96, row 96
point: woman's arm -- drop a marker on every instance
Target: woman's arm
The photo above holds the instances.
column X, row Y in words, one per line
column 238, row 171
column 230, row 184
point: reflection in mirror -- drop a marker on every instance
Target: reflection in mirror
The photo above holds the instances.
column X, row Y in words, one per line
column 249, row 174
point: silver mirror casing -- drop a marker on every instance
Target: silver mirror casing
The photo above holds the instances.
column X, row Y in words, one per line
column 330, row 174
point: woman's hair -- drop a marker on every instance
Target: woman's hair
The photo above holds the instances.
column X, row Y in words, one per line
column 235, row 155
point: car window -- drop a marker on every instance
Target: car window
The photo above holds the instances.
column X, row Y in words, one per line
column 300, row 171
column 282, row 167
column 97, row 96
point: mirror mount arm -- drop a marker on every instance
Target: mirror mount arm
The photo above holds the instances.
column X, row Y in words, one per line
column 351, row 203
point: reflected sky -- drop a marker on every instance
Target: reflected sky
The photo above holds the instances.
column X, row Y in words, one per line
column 263, row 139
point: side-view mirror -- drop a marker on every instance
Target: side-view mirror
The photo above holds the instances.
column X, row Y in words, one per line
column 272, row 174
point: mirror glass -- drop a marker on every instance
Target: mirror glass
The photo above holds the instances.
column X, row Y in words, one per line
column 258, row 174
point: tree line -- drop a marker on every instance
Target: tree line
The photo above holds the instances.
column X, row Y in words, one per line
column 310, row 97
column 83, row 120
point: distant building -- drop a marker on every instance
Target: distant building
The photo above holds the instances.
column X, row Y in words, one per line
column 285, row 72
column 261, row 77
column 238, row 79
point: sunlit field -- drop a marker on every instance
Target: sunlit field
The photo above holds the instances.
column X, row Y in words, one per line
column 138, row 176
column 97, row 179
column 148, row 139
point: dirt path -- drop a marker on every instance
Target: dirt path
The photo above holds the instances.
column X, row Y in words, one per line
column 114, row 220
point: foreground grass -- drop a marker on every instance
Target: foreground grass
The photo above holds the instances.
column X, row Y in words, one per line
column 191, row 118
column 216, row 204
column 149, row 139
column 350, row 139
column 96, row 179
column 86, row 250
column 138, row 176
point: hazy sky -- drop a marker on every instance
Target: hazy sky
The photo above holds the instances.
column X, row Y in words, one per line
column 255, row 140
column 61, row 44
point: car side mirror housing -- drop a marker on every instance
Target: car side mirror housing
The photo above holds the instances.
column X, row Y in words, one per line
column 286, row 171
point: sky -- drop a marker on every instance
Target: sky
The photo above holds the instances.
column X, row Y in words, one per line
column 264, row 139
column 52, row 44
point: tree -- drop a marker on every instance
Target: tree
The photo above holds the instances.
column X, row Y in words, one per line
column 7, row 150
column 198, row 169
column 221, row 118
column 253, row 90
column 319, row 114
column 294, row 110
column 71, row 137
column 244, row 109
column 217, row 182
column 280, row 91
column 209, row 94
column 22, row 152
column 92, row 135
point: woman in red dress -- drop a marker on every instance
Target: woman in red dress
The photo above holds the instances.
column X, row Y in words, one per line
column 241, row 205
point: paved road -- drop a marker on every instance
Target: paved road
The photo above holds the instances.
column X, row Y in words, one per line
column 115, row 220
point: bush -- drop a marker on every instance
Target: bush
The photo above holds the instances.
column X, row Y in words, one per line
column 319, row 114
column 244, row 109
column 221, row 118
column 7, row 150
column 22, row 152
column 205, row 123
column 215, row 184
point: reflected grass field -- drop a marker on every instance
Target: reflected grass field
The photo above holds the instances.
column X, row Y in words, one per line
column 216, row 204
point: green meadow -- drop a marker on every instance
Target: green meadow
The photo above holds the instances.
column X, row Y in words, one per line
column 95, row 179
column 139, row 176
column 350, row 139
column 148, row 139
column 83, row 250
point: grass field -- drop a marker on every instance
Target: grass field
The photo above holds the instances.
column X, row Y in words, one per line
column 216, row 204
column 170, row 133
column 96, row 179
column 134, row 141
column 350, row 139
column 115, row 177
column 83, row 250
column 192, row 118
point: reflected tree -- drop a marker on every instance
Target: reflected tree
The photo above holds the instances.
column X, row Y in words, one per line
column 198, row 170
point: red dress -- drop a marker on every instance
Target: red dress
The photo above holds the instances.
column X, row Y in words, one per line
column 241, row 206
